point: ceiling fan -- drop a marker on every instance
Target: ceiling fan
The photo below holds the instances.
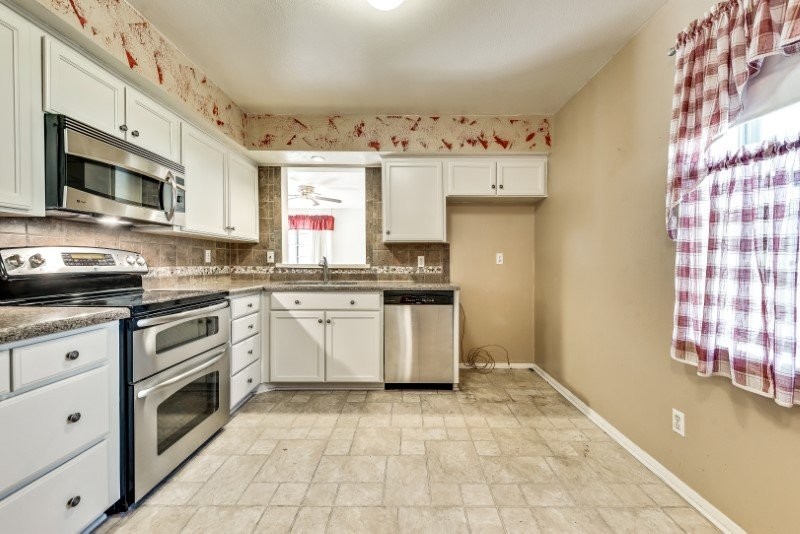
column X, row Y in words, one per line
column 307, row 192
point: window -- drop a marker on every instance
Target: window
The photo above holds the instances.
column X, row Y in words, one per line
column 780, row 124
column 324, row 215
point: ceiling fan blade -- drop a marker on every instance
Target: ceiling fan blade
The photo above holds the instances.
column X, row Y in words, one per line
column 314, row 201
column 326, row 199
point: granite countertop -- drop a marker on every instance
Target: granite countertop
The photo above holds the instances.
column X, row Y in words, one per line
column 237, row 288
column 24, row 322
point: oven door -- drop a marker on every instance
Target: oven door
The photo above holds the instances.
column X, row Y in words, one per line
column 167, row 340
column 175, row 412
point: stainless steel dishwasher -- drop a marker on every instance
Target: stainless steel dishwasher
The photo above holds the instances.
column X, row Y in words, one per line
column 418, row 338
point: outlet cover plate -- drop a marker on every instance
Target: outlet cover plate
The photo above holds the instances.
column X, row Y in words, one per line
column 499, row 258
column 207, row 256
column 270, row 256
column 678, row 422
column 420, row 261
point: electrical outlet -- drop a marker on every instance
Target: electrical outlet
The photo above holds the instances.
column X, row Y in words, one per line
column 270, row 256
column 678, row 422
column 499, row 258
column 420, row 261
column 207, row 256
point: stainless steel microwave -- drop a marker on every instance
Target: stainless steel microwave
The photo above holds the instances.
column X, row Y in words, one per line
column 93, row 175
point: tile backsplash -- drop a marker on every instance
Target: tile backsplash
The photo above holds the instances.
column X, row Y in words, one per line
column 171, row 255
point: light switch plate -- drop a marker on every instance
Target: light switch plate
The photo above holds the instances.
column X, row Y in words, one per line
column 499, row 258
column 420, row 261
column 207, row 256
column 270, row 256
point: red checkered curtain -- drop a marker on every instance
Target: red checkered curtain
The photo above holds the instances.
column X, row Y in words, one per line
column 735, row 221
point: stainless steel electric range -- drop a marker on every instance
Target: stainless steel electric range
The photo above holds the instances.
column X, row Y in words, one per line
column 175, row 383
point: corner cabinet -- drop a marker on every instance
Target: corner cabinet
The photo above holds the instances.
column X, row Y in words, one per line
column 221, row 189
column 22, row 128
column 326, row 337
column 413, row 201
column 523, row 176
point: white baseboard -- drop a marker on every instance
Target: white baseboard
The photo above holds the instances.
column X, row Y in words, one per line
column 501, row 365
column 711, row 512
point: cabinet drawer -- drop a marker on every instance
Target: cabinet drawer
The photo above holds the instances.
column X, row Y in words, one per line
column 326, row 301
column 42, row 432
column 50, row 358
column 245, row 305
column 5, row 372
column 42, row 506
column 245, row 352
column 245, row 327
column 245, row 381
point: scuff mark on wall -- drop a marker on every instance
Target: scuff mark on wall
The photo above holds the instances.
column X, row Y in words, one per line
column 406, row 133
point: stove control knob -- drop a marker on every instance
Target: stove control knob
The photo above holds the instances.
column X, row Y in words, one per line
column 130, row 260
column 15, row 260
column 37, row 260
column 140, row 261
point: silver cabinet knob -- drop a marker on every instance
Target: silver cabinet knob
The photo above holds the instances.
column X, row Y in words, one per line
column 319, row 321
column 494, row 186
column 135, row 133
column 74, row 417
column 352, row 303
column 388, row 232
column 250, row 351
column 123, row 127
column 501, row 186
column 73, row 355
column 250, row 326
column 249, row 380
column 37, row 260
column 74, row 501
column 297, row 302
column 328, row 321
column 15, row 260
column 249, row 304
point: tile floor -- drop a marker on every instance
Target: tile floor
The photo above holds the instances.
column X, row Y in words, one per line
column 507, row 453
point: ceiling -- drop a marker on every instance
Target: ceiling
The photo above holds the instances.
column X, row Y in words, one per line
column 480, row 57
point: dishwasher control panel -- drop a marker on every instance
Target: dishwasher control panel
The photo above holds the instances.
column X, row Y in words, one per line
column 405, row 298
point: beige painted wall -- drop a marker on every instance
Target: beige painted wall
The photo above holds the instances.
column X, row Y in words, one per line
column 604, row 278
column 497, row 299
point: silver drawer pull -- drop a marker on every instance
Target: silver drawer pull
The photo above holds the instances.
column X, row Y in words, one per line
column 250, row 326
column 73, row 355
column 249, row 380
column 249, row 304
column 74, row 417
column 250, row 351
column 73, row 502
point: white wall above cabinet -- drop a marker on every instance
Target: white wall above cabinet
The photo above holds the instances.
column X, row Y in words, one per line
column 22, row 128
column 524, row 176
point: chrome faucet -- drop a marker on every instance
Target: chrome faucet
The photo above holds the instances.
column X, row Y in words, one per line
column 326, row 270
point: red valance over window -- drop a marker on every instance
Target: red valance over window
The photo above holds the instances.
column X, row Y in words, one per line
column 310, row 222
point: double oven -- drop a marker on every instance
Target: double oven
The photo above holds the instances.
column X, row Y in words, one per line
column 177, row 391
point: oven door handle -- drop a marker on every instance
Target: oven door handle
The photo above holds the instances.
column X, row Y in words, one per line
column 145, row 392
column 183, row 315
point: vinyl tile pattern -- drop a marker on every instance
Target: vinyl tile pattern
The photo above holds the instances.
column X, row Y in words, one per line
column 506, row 453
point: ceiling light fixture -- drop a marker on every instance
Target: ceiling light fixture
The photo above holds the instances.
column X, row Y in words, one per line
column 385, row 5
column 317, row 158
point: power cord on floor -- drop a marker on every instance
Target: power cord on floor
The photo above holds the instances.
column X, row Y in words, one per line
column 479, row 358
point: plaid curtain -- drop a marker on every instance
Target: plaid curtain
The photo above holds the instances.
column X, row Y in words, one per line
column 735, row 221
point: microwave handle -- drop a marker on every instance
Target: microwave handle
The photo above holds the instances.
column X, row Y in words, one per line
column 145, row 392
column 170, row 181
column 183, row 315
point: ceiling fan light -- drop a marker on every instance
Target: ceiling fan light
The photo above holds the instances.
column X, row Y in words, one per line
column 385, row 5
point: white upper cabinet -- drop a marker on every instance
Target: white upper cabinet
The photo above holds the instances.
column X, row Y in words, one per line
column 413, row 201
column 469, row 177
column 22, row 128
column 204, row 159
column 152, row 126
column 242, row 198
column 522, row 177
column 77, row 87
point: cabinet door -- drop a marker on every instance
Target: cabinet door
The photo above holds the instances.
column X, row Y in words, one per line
column 353, row 347
column 21, row 133
column 297, row 346
column 204, row 160
column 471, row 177
column 152, row 126
column 522, row 177
column 242, row 198
column 77, row 87
column 413, row 201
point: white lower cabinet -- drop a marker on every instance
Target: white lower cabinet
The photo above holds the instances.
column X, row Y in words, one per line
column 60, row 456
column 340, row 343
column 297, row 346
column 67, row 499
column 245, row 347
